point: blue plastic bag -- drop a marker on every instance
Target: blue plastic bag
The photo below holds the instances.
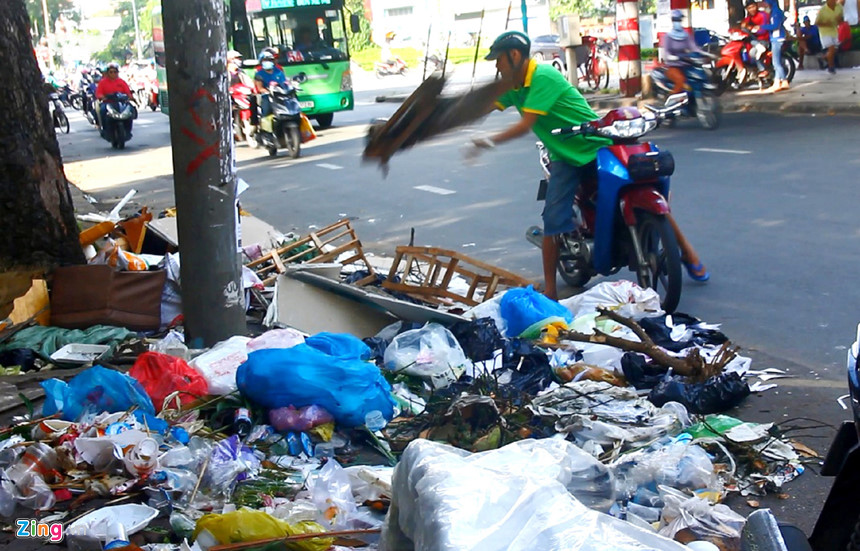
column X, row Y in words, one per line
column 348, row 388
column 340, row 345
column 524, row 309
column 95, row 390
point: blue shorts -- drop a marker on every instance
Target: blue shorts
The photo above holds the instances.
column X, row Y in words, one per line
column 564, row 179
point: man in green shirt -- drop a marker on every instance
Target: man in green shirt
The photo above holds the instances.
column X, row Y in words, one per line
column 546, row 101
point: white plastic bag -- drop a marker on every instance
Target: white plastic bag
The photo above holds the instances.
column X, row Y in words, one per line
column 331, row 492
column 219, row 364
column 430, row 352
column 625, row 297
column 511, row 499
column 276, row 338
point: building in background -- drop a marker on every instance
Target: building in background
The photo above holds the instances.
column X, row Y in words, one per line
column 412, row 19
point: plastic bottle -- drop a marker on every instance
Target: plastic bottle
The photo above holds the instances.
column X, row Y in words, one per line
column 242, row 424
column 115, row 536
column 374, row 421
column 324, row 450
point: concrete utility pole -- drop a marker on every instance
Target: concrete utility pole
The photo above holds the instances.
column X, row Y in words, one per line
column 136, row 29
column 195, row 45
column 629, row 53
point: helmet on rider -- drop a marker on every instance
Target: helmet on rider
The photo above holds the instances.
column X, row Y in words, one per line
column 507, row 41
column 677, row 15
column 390, row 35
column 233, row 54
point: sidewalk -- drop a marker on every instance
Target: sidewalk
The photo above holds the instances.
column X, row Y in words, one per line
column 813, row 91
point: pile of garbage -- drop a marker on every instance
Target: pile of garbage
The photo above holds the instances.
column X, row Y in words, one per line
column 593, row 423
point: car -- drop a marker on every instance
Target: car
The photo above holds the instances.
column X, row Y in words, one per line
column 546, row 48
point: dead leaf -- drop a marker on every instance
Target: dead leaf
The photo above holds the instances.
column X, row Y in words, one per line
column 753, row 503
column 803, row 449
column 783, row 496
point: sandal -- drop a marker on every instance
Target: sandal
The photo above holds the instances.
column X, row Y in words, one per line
column 698, row 272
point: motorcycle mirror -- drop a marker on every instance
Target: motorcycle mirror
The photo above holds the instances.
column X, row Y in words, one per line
column 354, row 23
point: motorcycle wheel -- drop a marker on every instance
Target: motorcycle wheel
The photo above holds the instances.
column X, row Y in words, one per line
column 153, row 106
column 325, row 120
column 61, row 121
column 570, row 271
column 722, row 77
column 77, row 103
column 119, row 135
column 380, row 73
column 404, row 71
column 709, row 111
column 789, row 67
column 273, row 151
column 294, row 142
column 662, row 270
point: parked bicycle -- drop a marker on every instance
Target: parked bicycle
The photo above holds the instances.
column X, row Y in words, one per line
column 592, row 64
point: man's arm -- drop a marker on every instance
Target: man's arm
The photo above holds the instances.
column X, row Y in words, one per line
column 258, row 85
column 516, row 130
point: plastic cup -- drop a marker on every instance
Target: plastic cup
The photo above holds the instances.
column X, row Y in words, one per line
column 374, row 420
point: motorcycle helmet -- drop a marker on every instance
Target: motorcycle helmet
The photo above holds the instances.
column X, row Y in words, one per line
column 677, row 15
column 510, row 40
column 390, row 35
column 233, row 54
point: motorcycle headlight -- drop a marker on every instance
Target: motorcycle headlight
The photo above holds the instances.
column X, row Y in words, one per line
column 112, row 110
column 632, row 128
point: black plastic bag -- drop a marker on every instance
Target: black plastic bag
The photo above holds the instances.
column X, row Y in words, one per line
column 530, row 365
column 478, row 338
column 23, row 357
column 639, row 372
column 656, row 328
column 715, row 395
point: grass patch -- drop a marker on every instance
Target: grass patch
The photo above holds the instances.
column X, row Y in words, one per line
column 413, row 56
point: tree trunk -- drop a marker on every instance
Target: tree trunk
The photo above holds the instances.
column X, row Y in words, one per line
column 38, row 222
column 736, row 12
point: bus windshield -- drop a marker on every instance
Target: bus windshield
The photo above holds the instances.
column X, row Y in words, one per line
column 305, row 35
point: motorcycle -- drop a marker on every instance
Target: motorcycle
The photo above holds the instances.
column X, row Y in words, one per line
column 623, row 210
column 435, row 63
column 700, row 101
column 736, row 68
column 282, row 127
column 116, row 126
column 58, row 114
column 146, row 94
column 396, row 67
column 240, row 107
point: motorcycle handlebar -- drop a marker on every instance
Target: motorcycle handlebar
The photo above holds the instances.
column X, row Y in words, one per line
column 584, row 128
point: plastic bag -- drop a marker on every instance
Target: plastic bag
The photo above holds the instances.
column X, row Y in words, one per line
column 250, row 525
column 431, row 353
column 219, row 365
column 625, row 297
column 526, row 311
column 677, row 464
column 94, row 390
column 717, row 394
column 331, row 492
column 171, row 295
column 229, row 462
column 340, row 345
column 346, row 388
column 490, row 309
column 162, row 375
column 703, row 521
column 276, row 338
column 446, row 499
column 306, row 129
column 479, row 338
column 302, row 420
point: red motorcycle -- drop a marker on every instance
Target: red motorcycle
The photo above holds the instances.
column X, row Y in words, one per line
column 145, row 92
column 396, row 67
column 624, row 208
column 241, row 108
column 736, row 67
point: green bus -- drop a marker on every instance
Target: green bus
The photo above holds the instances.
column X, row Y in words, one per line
column 310, row 37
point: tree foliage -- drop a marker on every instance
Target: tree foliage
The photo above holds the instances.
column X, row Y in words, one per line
column 594, row 8
column 55, row 8
column 361, row 40
column 121, row 46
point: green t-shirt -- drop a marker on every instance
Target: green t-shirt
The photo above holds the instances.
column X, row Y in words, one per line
column 828, row 20
column 546, row 93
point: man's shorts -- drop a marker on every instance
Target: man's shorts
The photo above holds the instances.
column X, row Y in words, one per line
column 564, row 180
column 828, row 41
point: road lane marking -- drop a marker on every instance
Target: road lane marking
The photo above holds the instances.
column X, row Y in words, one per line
column 329, row 166
column 436, row 190
column 732, row 151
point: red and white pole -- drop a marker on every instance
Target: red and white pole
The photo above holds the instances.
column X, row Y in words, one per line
column 664, row 17
column 629, row 54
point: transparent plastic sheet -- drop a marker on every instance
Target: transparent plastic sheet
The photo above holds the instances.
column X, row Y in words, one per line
column 230, row 461
column 430, row 352
column 446, row 499
column 676, row 464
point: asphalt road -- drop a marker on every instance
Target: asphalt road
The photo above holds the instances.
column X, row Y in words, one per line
column 767, row 200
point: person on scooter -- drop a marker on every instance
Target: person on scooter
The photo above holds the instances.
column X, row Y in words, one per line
column 546, row 101
column 234, row 69
column 385, row 55
column 677, row 44
column 755, row 19
column 268, row 74
column 776, row 31
column 111, row 84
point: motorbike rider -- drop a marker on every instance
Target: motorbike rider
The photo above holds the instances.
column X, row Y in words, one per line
column 111, row 83
column 755, row 19
column 234, row 70
column 268, row 74
column 677, row 44
column 385, row 55
column 546, row 101
column 776, row 31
